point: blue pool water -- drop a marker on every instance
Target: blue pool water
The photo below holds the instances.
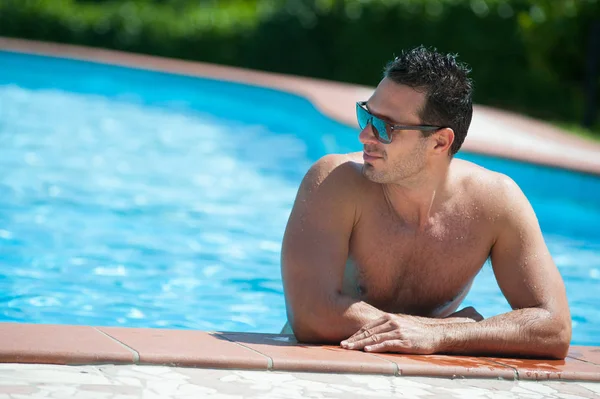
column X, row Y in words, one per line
column 134, row 198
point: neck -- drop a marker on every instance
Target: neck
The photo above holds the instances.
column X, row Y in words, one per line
column 415, row 201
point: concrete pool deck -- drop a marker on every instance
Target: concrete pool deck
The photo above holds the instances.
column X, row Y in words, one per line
column 493, row 132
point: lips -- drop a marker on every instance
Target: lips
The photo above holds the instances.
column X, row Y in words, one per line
column 369, row 157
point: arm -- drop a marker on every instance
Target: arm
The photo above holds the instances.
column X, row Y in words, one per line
column 540, row 323
column 315, row 251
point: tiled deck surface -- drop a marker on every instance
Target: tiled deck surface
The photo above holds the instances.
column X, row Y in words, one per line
column 228, row 365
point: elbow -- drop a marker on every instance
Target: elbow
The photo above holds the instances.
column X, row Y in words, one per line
column 314, row 324
column 302, row 327
column 558, row 343
column 558, row 350
column 306, row 335
column 308, row 329
column 562, row 341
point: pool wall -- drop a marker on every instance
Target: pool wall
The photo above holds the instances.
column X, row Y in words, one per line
column 493, row 132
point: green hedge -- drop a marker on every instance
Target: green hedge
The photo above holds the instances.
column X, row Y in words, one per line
column 526, row 55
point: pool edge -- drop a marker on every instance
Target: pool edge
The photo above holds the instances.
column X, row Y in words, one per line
column 79, row 345
column 527, row 139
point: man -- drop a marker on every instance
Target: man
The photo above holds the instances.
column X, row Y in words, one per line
column 382, row 246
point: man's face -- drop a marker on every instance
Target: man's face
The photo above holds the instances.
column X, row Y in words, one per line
column 406, row 156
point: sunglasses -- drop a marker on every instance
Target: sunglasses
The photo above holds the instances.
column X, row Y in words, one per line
column 382, row 129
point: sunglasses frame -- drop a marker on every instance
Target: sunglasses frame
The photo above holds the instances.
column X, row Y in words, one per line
column 393, row 128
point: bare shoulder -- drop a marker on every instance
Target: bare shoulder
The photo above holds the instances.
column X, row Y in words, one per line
column 494, row 192
column 344, row 171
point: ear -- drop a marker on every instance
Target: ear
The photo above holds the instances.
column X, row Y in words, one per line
column 442, row 140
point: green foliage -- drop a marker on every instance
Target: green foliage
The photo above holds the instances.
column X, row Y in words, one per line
column 526, row 55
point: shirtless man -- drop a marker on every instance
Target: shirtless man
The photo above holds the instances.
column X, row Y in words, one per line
column 382, row 246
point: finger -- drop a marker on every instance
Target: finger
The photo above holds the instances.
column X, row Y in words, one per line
column 365, row 333
column 375, row 323
column 391, row 345
column 390, row 334
column 369, row 333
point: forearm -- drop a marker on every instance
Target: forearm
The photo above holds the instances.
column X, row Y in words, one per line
column 523, row 332
column 343, row 317
column 447, row 320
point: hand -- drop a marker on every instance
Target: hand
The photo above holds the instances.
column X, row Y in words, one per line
column 395, row 333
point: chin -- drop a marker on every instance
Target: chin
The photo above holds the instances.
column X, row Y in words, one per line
column 371, row 174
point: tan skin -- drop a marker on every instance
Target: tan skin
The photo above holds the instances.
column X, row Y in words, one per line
column 379, row 252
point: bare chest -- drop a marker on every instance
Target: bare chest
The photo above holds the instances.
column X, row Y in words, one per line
column 427, row 273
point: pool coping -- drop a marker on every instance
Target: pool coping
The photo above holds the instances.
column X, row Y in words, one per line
column 526, row 140
column 86, row 345
column 493, row 131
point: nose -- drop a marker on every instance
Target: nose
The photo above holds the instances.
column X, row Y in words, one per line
column 366, row 136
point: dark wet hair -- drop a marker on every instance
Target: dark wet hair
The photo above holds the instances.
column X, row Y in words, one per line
column 448, row 88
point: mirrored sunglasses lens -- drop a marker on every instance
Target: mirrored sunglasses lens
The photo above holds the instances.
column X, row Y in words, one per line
column 380, row 128
column 362, row 116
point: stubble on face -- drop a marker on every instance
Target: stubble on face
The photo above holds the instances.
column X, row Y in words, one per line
column 397, row 167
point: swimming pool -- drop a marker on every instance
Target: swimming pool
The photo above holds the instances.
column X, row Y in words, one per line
column 143, row 199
